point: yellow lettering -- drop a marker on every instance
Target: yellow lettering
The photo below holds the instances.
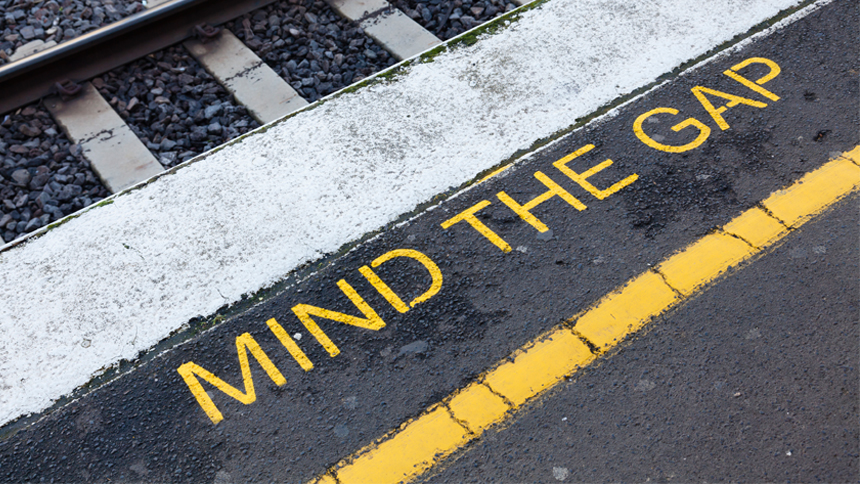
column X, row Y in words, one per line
column 756, row 86
column 704, row 131
column 524, row 210
column 469, row 217
column 371, row 320
column 290, row 345
column 582, row 179
column 387, row 293
column 190, row 371
column 716, row 113
column 774, row 68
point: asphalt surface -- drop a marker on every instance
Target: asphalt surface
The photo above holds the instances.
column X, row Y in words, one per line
column 755, row 380
column 762, row 364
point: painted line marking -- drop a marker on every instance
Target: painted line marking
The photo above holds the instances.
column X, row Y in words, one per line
column 477, row 407
column 797, row 203
column 413, row 449
column 703, row 261
column 756, row 228
column 539, row 365
column 626, row 309
column 421, row 443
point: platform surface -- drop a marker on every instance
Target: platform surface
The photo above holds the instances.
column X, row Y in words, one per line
column 408, row 237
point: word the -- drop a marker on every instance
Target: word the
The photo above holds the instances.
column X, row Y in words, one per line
column 553, row 189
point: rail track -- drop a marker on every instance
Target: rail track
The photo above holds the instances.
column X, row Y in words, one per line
column 178, row 78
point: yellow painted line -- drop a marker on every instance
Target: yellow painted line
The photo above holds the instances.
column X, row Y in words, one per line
column 324, row 479
column 539, row 365
column 853, row 155
column 625, row 310
column 477, row 407
column 413, row 449
column 756, row 227
column 703, row 261
column 422, row 442
column 797, row 203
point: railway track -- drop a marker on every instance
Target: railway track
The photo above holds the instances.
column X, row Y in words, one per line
column 181, row 77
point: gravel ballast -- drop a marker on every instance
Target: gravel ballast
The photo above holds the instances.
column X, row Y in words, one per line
column 449, row 18
column 316, row 50
column 43, row 176
column 31, row 25
column 173, row 105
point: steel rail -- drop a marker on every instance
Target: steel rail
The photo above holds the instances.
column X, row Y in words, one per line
column 121, row 42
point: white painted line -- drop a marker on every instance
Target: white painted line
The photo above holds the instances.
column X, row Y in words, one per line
column 121, row 277
column 253, row 83
column 116, row 154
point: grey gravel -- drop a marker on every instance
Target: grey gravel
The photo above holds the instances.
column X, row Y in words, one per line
column 26, row 21
column 447, row 19
column 316, row 50
column 173, row 105
column 43, row 177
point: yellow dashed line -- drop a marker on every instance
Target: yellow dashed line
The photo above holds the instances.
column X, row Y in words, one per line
column 703, row 261
column 539, row 365
column 477, row 407
column 812, row 193
column 410, row 451
column 424, row 441
column 625, row 310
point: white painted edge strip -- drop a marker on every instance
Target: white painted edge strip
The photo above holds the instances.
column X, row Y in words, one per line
column 121, row 277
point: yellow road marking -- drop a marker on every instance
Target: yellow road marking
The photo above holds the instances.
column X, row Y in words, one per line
column 423, row 442
column 539, row 365
column 625, row 310
column 797, row 203
column 582, row 178
column 477, row 407
column 410, row 451
column 324, row 479
column 524, row 210
column 704, row 131
column 853, row 155
column 703, row 261
column 290, row 344
column 756, row 227
column 469, row 216
column 244, row 343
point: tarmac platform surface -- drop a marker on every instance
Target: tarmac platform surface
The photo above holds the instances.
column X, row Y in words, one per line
column 482, row 337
